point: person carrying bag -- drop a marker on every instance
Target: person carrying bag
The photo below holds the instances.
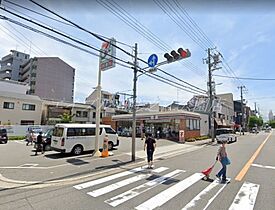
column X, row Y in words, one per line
column 222, row 157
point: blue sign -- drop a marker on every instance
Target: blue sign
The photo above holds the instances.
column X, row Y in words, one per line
column 152, row 60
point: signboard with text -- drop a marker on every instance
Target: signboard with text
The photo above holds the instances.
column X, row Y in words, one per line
column 107, row 55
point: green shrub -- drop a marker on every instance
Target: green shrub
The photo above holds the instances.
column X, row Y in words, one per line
column 17, row 137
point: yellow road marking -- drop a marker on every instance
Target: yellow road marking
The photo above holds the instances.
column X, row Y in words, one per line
column 244, row 170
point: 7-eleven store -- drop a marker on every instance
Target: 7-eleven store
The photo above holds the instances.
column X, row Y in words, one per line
column 175, row 125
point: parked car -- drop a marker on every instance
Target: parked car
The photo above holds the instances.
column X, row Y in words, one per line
column 3, row 136
column 225, row 134
column 254, row 130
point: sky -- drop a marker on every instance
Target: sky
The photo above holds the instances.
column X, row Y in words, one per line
column 242, row 31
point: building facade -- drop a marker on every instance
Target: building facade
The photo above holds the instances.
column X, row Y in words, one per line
column 10, row 65
column 19, row 109
column 49, row 78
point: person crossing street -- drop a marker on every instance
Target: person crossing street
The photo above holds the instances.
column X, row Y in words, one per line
column 150, row 145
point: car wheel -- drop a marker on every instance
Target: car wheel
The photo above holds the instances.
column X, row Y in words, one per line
column 77, row 150
column 110, row 145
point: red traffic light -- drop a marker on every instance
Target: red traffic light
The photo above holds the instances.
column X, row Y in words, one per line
column 184, row 53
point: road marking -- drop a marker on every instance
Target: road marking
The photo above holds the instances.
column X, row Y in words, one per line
column 244, row 170
column 261, row 166
column 123, row 183
column 119, row 199
column 107, row 178
column 211, row 200
column 169, row 193
column 210, row 187
column 246, row 197
column 28, row 165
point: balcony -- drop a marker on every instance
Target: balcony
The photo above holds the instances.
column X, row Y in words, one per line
column 5, row 75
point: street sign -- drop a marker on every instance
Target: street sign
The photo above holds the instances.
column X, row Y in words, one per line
column 152, row 60
column 107, row 54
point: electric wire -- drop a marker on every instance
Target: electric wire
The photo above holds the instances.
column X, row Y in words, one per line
column 245, row 78
column 81, row 28
column 16, row 38
column 64, row 35
column 42, row 51
column 126, row 19
column 54, row 38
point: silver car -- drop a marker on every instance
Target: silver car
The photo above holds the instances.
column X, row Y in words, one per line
column 225, row 135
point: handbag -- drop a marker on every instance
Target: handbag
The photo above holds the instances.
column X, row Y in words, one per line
column 225, row 161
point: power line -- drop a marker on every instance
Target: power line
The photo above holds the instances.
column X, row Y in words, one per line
column 64, row 35
column 245, row 78
column 53, row 37
column 81, row 28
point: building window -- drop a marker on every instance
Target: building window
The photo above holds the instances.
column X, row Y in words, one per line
column 78, row 113
column 27, row 122
column 30, row 107
column 84, row 114
column 94, row 114
column 8, row 105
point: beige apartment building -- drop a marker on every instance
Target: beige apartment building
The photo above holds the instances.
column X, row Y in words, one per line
column 19, row 109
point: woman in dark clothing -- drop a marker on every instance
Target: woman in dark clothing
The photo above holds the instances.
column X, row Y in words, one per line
column 150, row 145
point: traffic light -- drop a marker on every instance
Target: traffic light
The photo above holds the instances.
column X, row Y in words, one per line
column 175, row 56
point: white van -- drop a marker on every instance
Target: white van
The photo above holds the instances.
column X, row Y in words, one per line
column 76, row 138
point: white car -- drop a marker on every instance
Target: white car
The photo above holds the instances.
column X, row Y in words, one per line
column 225, row 135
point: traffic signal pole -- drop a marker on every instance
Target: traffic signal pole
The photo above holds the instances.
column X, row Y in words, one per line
column 134, row 125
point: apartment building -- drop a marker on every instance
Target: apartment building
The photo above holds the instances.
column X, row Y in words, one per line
column 49, row 78
column 19, row 109
column 10, row 65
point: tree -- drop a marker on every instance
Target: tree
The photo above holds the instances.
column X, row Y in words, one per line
column 272, row 123
column 254, row 121
column 66, row 118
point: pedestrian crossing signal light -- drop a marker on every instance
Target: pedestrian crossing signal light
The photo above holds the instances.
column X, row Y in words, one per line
column 175, row 56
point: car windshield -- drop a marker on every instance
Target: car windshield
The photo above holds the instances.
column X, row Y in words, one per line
column 224, row 131
column 3, row 131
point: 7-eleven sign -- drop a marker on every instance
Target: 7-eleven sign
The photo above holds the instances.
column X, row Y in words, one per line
column 107, row 54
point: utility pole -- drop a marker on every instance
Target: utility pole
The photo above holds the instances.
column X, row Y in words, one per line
column 242, row 118
column 134, row 125
column 211, row 117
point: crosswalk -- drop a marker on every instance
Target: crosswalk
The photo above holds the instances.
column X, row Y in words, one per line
column 120, row 188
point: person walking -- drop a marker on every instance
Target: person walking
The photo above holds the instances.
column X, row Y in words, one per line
column 39, row 143
column 222, row 157
column 31, row 138
column 150, row 145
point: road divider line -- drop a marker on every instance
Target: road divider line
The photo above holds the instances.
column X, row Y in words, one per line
column 244, row 170
column 246, row 197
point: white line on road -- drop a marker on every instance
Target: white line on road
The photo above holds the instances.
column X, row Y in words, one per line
column 107, row 178
column 169, row 193
column 211, row 200
column 261, row 166
column 123, row 183
column 246, row 197
column 211, row 186
column 119, row 199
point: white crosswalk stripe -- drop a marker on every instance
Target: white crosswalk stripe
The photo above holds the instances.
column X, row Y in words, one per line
column 108, row 178
column 117, row 200
column 246, row 197
column 122, row 183
column 171, row 192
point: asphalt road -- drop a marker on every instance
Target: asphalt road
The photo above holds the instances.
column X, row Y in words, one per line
column 175, row 182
